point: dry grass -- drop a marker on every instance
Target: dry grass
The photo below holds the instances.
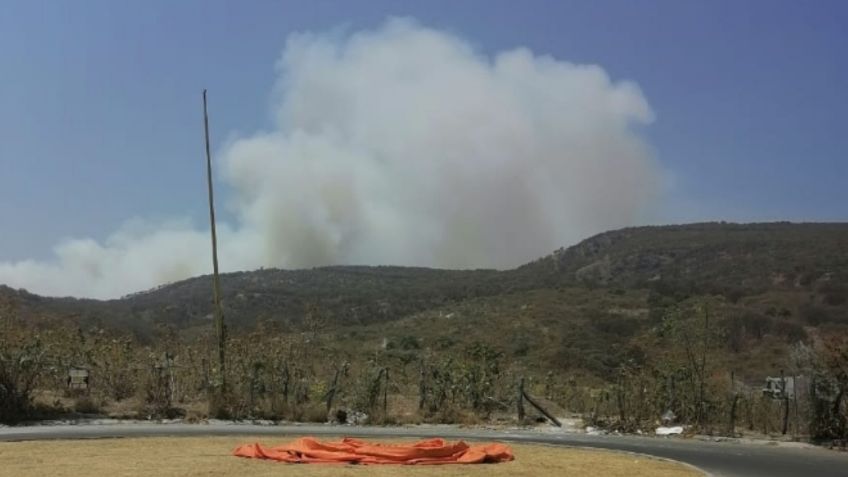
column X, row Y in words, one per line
column 210, row 456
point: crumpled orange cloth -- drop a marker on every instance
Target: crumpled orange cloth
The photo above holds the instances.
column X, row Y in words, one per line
column 308, row 450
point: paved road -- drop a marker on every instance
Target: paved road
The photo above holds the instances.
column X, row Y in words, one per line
column 727, row 459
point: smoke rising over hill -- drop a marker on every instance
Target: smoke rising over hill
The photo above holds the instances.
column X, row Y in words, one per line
column 401, row 145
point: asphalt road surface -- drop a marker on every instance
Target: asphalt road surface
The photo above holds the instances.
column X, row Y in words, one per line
column 716, row 458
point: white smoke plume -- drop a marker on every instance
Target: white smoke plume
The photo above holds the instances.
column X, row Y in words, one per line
column 401, row 145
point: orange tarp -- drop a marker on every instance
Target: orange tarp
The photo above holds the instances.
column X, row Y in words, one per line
column 308, row 450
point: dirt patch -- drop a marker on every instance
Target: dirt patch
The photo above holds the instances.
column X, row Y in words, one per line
column 210, row 456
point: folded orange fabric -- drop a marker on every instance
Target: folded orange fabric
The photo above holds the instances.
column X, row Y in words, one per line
column 308, row 450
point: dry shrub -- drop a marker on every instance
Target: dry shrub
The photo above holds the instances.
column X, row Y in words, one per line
column 87, row 405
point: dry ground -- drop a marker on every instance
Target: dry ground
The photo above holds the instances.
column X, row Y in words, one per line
column 210, row 456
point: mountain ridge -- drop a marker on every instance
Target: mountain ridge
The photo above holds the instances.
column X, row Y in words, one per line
column 728, row 259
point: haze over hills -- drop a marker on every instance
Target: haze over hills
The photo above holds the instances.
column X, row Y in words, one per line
column 799, row 268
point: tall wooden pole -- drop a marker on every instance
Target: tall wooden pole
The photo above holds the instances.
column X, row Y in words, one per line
column 216, row 283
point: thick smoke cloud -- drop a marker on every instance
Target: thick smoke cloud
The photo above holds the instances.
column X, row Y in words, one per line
column 401, row 145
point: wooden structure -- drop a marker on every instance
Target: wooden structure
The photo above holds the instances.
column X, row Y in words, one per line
column 522, row 396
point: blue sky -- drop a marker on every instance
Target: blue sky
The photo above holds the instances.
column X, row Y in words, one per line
column 100, row 100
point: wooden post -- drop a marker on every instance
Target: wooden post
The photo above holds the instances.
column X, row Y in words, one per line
column 750, row 410
column 286, row 378
column 422, row 386
column 703, row 369
column 172, row 382
column 520, row 401
column 734, row 401
column 795, row 404
column 204, row 364
column 254, row 383
column 331, row 393
column 785, row 403
column 385, row 395
column 216, row 283
column 620, row 402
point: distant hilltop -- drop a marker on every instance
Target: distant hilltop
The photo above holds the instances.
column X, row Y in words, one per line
column 734, row 260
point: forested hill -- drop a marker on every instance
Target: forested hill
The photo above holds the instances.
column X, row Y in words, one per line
column 733, row 260
column 709, row 257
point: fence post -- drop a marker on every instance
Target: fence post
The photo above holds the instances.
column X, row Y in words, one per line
column 735, row 399
column 422, row 386
column 334, row 387
column 385, row 395
column 785, row 403
column 795, row 404
column 520, row 401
